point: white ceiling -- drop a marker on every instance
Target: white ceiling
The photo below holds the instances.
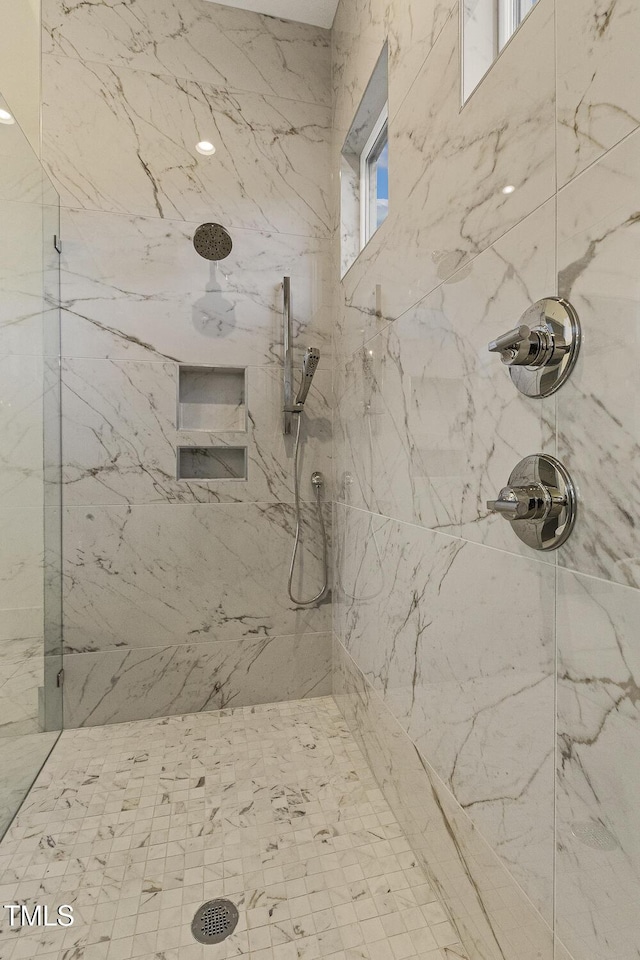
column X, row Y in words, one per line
column 319, row 12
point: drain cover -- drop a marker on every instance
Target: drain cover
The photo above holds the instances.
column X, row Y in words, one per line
column 594, row 834
column 214, row 921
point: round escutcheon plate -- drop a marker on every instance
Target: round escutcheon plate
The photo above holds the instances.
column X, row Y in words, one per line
column 552, row 532
column 557, row 318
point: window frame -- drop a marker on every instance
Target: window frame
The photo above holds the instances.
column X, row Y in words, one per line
column 511, row 14
column 379, row 135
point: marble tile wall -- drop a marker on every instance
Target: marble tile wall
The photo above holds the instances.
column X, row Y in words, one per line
column 453, row 640
column 176, row 592
column 598, row 868
column 491, row 916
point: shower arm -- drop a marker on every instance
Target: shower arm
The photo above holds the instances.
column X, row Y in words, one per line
column 288, row 356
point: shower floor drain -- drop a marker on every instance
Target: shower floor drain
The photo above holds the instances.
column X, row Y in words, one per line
column 214, row 921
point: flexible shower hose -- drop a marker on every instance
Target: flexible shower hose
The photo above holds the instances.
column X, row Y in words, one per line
column 325, row 550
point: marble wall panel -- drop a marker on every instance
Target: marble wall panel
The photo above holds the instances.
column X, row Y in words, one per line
column 467, row 672
column 268, row 172
column 452, row 173
column 21, row 247
column 598, row 409
column 598, row 859
column 358, row 35
column 22, row 675
column 167, row 574
column 229, row 48
column 598, row 79
column 134, row 288
column 399, row 403
column 123, row 685
column 444, row 425
column 455, row 263
column 21, row 429
column 413, row 28
column 446, row 203
column 490, row 916
column 121, row 437
column 155, row 77
column 21, row 559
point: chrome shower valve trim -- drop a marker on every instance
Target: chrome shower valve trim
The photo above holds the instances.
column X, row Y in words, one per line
column 539, row 502
column 541, row 352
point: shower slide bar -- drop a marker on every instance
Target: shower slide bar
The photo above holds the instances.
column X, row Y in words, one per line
column 288, row 355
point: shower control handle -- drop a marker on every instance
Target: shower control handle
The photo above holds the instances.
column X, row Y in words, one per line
column 524, row 347
column 541, row 351
column 531, row 502
column 539, row 502
column 509, row 343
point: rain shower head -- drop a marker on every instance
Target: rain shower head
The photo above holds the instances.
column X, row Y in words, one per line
column 212, row 241
column 309, row 366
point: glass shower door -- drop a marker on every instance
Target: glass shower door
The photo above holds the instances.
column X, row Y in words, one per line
column 30, row 635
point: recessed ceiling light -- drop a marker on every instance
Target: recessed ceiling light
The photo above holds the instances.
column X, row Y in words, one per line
column 508, row 189
column 5, row 116
column 205, row 148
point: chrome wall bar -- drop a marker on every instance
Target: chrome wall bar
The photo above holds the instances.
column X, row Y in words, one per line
column 287, row 324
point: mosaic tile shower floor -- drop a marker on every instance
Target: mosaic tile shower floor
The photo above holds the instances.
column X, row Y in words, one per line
column 135, row 825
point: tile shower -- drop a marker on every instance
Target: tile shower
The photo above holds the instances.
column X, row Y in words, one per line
column 438, row 760
column 195, row 617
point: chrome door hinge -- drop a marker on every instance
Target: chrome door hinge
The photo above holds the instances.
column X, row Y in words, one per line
column 57, row 243
column 60, row 678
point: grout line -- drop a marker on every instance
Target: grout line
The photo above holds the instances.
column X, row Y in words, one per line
column 374, row 694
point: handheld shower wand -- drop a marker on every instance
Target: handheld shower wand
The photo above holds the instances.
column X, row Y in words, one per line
column 309, row 367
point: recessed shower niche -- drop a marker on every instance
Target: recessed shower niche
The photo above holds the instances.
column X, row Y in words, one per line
column 212, row 463
column 212, row 399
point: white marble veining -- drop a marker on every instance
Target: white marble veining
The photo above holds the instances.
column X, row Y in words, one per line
column 231, row 49
column 598, row 768
column 274, row 807
column 490, row 916
column 163, row 574
column 21, row 281
column 598, row 409
column 21, row 430
column 22, row 674
column 443, row 425
column 445, row 197
column 168, row 599
column 413, row 28
column 452, row 173
column 134, row 684
column 21, row 174
column 120, row 437
column 598, row 79
column 358, row 35
column 399, row 451
column 428, row 427
column 28, row 317
column 268, row 172
column 134, row 288
column 319, row 12
column 467, row 672
column 21, row 575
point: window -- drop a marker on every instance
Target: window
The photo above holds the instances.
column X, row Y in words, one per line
column 511, row 13
column 488, row 26
column 374, row 179
column 364, row 167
